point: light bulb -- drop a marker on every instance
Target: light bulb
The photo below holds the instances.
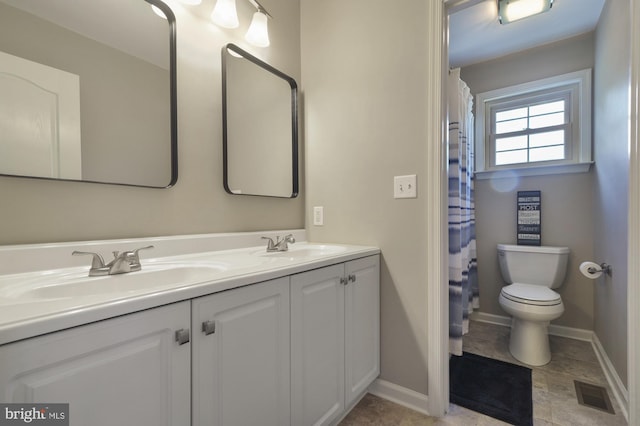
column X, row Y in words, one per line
column 258, row 33
column 522, row 9
column 514, row 10
column 224, row 14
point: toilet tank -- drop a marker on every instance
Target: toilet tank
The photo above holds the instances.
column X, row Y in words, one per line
column 539, row 265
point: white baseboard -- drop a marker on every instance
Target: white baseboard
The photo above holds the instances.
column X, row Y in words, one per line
column 554, row 330
column 620, row 392
column 571, row 333
column 400, row 395
column 490, row 318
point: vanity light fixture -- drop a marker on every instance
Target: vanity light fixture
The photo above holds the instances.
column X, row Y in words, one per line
column 514, row 10
column 258, row 33
column 191, row 2
column 224, row 14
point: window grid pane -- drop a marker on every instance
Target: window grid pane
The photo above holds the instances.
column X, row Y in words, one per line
column 511, row 157
column 537, row 140
column 515, row 142
column 546, row 153
column 510, row 114
column 530, row 145
column 547, row 120
column 509, row 126
column 547, row 108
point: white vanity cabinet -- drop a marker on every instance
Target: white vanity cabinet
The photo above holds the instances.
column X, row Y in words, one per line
column 126, row 370
column 335, row 339
column 241, row 356
column 317, row 346
column 362, row 326
column 290, row 345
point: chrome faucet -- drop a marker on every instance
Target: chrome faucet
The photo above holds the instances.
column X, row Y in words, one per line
column 127, row 261
column 280, row 244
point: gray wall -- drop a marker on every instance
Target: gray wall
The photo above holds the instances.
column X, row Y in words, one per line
column 46, row 211
column 365, row 101
column 611, row 130
column 567, row 218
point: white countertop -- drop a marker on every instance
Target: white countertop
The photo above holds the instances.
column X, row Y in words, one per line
column 23, row 316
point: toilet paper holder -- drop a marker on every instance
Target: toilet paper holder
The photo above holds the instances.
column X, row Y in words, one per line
column 603, row 268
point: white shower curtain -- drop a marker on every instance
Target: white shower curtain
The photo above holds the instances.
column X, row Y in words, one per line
column 463, row 276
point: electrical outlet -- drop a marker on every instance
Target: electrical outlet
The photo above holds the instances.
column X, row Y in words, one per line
column 318, row 215
column 405, row 187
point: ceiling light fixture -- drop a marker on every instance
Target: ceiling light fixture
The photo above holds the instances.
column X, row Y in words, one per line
column 514, row 10
column 258, row 33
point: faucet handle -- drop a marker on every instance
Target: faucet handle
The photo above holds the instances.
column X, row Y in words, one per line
column 136, row 257
column 135, row 252
column 282, row 244
column 270, row 244
column 132, row 259
column 97, row 261
column 126, row 261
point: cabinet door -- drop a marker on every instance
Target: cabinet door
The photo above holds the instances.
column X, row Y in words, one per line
column 317, row 346
column 362, row 325
column 126, row 370
column 241, row 367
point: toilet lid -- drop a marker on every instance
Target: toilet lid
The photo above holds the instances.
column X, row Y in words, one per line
column 531, row 294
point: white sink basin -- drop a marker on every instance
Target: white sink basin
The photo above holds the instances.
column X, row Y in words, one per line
column 78, row 284
column 156, row 274
column 303, row 251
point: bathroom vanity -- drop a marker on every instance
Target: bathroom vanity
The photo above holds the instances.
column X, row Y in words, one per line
column 232, row 337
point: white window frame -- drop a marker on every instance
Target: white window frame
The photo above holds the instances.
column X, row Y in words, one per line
column 578, row 147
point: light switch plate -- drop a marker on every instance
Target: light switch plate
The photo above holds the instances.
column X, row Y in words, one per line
column 405, row 187
column 318, row 215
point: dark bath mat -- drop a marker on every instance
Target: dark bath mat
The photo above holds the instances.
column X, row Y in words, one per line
column 495, row 388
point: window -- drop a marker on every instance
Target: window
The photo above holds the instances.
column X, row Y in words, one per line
column 540, row 127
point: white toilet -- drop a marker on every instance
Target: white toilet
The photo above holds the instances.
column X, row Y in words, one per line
column 531, row 272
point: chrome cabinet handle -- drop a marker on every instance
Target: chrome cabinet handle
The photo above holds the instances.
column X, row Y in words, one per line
column 343, row 280
column 182, row 336
column 352, row 278
column 208, row 327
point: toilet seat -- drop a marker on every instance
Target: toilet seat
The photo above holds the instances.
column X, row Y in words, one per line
column 531, row 294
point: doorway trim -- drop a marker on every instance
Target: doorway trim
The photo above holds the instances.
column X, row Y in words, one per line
column 436, row 220
column 438, row 299
column 633, row 251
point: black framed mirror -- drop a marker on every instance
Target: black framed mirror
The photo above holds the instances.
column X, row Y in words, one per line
column 260, row 127
column 88, row 91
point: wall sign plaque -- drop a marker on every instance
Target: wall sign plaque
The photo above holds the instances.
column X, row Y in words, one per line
column 529, row 224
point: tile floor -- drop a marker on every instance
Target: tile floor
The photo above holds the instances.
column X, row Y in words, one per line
column 554, row 399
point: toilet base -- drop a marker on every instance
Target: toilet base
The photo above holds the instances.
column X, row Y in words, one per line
column 529, row 342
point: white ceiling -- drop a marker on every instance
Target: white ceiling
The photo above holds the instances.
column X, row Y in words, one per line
column 475, row 35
